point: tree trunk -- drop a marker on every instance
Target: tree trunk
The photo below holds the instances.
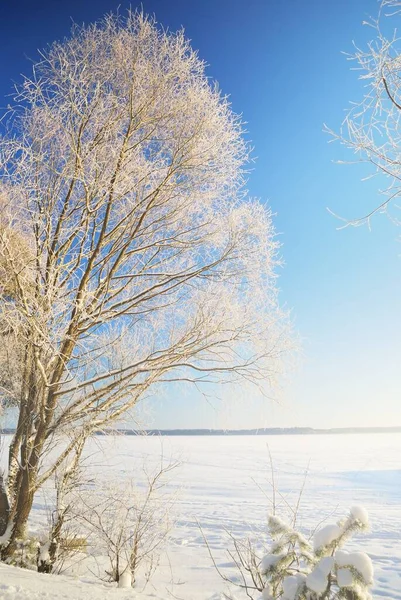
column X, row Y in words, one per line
column 46, row 566
column 21, row 513
column 4, row 507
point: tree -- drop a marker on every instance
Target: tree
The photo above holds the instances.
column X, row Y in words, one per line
column 372, row 127
column 144, row 261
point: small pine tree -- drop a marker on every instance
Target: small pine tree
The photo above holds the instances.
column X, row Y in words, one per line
column 296, row 569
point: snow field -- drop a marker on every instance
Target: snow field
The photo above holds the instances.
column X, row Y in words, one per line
column 225, row 484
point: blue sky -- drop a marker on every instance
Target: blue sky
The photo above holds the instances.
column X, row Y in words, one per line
column 282, row 66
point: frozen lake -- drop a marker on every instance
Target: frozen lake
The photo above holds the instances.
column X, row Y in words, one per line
column 225, row 484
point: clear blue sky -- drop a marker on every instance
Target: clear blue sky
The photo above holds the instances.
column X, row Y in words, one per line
column 282, row 65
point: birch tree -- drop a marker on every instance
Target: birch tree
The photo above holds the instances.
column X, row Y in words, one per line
column 130, row 254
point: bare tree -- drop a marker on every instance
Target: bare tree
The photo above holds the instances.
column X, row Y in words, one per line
column 130, row 523
column 142, row 262
column 372, row 127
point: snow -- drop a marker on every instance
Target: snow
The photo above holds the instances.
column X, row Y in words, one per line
column 125, row 579
column 267, row 593
column 217, row 489
column 359, row 560
column 326, row 535
column 361, row 514
column 344, row 578
column 291, row 586
column 325, row 565
column 268, row 561
column 6, row 535
column 22, row 584
column 44, row 555
column 316, row 581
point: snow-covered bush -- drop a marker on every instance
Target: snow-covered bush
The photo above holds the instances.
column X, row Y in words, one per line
column 295, row 568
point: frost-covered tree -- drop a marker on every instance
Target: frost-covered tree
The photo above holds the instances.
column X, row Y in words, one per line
column 372, row 127
column 141, row 261
column 296, row 568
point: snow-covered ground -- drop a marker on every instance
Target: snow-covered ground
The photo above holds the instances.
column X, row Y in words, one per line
column 225, row 485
